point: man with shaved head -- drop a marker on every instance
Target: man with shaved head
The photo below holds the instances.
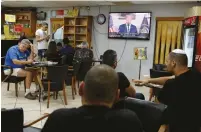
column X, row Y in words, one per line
column 182, row 94
column 98, row 95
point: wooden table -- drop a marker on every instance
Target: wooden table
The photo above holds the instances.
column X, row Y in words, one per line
column 38, row 70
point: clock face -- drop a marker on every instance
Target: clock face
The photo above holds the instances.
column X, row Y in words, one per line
column 101, row 19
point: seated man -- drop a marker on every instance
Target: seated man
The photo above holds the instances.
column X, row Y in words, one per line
column 110, row 58
column 81, row 56
column 67, row 48
column 96, row 115
column 59, row 46
column 181, row 94
column 17, row 57
column 84, row 53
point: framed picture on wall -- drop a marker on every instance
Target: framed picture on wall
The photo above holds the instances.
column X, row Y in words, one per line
column 140, row 53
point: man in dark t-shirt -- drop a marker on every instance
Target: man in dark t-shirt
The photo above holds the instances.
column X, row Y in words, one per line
column 182, row 94
column 126, row 89
column 98, row 94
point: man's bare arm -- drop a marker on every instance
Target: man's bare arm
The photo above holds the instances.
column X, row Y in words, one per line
column 32, row 55
column 21, row 62
column 38, row 39
column 131, row 91
column 159, row 81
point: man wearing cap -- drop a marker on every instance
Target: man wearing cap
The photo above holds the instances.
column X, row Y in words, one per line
column 17, row 57
column 182, row 94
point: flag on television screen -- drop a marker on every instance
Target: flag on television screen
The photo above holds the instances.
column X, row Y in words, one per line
column 144, row 28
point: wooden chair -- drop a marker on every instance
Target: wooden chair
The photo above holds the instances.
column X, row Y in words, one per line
column 11, row 79
column 13, row 121
column 67, row 59
column 155, row 74
column 71, row 80
column 55, row 81
column 84, row 67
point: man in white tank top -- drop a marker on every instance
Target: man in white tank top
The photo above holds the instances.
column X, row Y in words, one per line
column 42, row 38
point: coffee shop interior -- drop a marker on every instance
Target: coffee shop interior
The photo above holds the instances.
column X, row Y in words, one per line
column 49, row 47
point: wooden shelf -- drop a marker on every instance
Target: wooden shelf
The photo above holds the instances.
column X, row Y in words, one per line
column 80, row 33
column 78, row 28
column 81, row 25
column 80, row 40
column 69, row 33
column 69, row 25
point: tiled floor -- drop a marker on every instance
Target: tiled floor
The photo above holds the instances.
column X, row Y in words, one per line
column 34, row 108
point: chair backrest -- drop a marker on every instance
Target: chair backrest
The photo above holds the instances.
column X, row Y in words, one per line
column 67, row 59
column 150, row 114
column 57, row 73
column 85, row 66
column 12, row 120
column 156, row 73
column 159, row 67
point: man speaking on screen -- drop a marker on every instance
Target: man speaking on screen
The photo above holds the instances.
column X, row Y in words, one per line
column 128, row 28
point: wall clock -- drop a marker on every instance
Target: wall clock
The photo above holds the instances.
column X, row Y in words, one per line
column 101, row 19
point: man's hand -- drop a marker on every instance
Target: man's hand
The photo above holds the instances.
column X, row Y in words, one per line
column 141, row 82
column 30, row 61
column 32, row 47
column 47, row 37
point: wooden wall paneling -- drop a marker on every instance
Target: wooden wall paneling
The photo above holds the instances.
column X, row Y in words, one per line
column 179, row 35
column 168, row 40
column 33, row 23
column 174, row 35
column 163, row 40
column 56, row 23
column 158, row 39
column 89, row 31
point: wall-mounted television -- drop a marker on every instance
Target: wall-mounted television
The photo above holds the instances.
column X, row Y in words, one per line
column 129, row 25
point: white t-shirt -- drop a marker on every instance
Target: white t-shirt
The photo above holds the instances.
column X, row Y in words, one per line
column 42, row 44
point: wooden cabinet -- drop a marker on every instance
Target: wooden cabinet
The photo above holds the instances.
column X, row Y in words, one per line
column 28, row 20
column 25, row 16
column 78, row 29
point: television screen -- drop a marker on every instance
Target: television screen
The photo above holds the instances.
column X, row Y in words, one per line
column 129, row 25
